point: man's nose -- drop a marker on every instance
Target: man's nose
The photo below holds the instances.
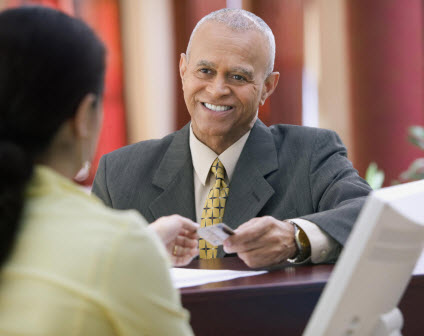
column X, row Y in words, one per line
column 218, row 87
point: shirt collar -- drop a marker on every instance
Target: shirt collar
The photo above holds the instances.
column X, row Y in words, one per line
column 203, row 156
column 45, row 180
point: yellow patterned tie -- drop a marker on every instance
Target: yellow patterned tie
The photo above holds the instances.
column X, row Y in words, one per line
column 213, row 211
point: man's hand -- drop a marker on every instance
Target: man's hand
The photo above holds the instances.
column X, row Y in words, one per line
column 179, row 235
column 263, row 241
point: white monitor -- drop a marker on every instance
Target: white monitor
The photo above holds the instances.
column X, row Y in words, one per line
column 374, row 269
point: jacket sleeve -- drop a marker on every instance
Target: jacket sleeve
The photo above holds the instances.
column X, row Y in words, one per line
column 100, row 183
column 338, row 192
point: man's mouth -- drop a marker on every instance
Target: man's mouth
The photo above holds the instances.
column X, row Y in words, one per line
column 217, row 108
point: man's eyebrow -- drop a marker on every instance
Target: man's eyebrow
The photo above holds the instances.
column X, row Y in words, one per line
column 246, row 72
column 206, row 64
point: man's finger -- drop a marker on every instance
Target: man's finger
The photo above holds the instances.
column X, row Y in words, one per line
column 251, row 245
column 248, row 233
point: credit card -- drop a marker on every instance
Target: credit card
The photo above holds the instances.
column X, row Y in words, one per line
column 215, row 234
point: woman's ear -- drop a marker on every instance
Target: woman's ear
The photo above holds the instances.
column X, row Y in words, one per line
column 83, row 120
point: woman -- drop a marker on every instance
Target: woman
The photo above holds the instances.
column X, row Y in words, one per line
column 71, row 266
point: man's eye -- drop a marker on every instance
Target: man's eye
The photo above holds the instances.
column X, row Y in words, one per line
column 205, row 71
column 238, row 77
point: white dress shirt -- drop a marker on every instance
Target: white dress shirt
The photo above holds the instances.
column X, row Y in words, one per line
column 323, row 247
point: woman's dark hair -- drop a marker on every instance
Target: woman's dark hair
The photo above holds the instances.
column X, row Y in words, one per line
column 49, row 61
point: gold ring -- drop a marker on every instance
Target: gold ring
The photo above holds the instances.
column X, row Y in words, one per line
column 175, row 250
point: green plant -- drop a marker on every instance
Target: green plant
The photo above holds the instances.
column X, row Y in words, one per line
column 415, row 171
column 374, row 176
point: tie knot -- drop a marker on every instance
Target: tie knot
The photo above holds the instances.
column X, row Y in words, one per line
column 218, row 169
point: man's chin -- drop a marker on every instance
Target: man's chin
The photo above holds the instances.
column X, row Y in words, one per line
column 216, row 130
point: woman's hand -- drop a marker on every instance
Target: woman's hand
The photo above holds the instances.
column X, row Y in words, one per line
column 179, row 235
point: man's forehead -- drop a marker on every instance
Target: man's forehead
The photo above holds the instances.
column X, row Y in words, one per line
column 214, row 40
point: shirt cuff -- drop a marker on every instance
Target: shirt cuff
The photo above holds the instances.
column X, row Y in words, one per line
column 323, row 247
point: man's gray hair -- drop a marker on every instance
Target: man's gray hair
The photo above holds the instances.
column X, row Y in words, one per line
column 240, row 20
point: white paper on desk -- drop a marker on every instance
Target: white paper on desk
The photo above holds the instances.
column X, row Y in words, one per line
column 187, row 277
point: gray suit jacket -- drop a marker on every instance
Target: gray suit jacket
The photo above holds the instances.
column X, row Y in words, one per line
column 284, row 171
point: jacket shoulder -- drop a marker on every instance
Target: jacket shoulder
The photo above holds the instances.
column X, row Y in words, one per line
column 299, row 131
column 301, row 135
column 140, row 153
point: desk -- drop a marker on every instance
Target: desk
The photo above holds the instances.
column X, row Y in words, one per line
column 276, row 303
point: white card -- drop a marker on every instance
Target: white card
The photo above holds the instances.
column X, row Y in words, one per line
column 215, row 234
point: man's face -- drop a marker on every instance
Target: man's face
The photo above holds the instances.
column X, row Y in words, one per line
column 224, row 81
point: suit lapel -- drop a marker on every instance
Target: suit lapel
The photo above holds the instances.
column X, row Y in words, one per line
column 249, row 190
column 175, row 177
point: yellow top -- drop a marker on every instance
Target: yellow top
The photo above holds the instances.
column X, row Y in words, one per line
column 79, row 268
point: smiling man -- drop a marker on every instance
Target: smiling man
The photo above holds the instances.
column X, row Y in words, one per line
column 288, row 191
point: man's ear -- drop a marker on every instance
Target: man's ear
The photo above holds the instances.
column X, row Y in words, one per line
column 183, row 65
column 83, row 120
column 270, row 85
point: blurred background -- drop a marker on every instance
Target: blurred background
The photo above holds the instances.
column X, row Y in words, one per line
column 356, row 67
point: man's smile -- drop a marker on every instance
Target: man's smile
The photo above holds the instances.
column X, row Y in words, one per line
column 217, row 108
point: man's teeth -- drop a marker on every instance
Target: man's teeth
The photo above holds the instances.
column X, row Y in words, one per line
column 217, row 108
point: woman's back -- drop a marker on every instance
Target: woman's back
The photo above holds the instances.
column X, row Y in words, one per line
column 79, row 268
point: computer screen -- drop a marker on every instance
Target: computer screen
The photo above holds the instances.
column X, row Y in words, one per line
column 375, row 266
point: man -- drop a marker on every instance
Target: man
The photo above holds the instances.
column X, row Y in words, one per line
column 288, row 191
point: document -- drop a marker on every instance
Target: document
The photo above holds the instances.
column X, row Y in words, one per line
column 186, row 277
